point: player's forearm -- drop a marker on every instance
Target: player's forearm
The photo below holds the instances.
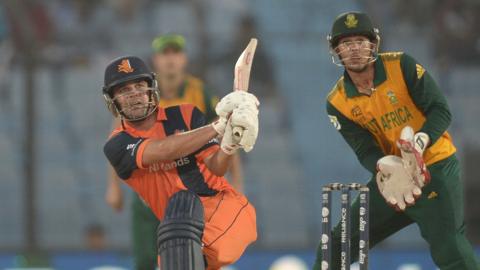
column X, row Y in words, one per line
column 236, row 173
column 177, row 146
column 432, row 102
column 438, row 119
column 366, row 149
column 359, row 139
column 427, row 97
column 219, row 163
column 369, row 161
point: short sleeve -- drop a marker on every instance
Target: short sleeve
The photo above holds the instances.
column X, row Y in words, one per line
column 198, row 120
column 121, row 151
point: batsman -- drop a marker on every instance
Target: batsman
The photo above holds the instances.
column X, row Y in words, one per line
column 173, row 160
column 392, row 114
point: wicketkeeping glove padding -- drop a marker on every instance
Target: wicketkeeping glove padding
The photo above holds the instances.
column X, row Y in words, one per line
column 395, row 183
column 412, row 147
column 228, row 145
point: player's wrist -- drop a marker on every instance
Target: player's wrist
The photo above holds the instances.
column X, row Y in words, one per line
column 412, row 145
column 228, row 145
column 229, row 149
column 422, row 141
column 219, row 125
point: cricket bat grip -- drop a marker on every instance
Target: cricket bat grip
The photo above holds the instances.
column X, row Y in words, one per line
column 237, row 134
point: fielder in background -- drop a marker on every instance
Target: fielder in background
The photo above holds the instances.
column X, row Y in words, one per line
column 172, row 160
column 176, row 87
column 390, row 111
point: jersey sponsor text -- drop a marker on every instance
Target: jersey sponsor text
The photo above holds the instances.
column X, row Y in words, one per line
column 166, row 166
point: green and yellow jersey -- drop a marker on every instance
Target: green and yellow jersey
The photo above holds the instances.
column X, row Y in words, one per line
column 193, row 91
column 405, row 94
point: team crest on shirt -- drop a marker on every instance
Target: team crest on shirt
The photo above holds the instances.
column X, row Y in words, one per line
column 166, row 166
column 357, row 114
column 392, row 97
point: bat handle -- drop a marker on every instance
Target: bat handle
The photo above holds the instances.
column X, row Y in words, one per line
column 237, row 134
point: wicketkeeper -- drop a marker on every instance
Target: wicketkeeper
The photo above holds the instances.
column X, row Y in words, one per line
column 391, row 113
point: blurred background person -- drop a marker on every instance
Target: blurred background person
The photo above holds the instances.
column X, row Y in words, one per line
column 95, row 237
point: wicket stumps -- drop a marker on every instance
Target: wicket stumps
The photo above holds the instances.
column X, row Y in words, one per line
column 345, row 216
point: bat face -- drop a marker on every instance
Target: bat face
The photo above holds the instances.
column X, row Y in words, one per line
column 243, row 67
column 242, row 76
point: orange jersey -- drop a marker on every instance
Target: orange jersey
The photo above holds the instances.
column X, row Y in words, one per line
column 157, row 182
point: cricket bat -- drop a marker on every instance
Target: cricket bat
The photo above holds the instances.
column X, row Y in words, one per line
column 241, row 77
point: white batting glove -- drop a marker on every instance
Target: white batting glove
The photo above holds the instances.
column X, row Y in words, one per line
column 395, row 183
column 228, row 145
column 412, row 147
column 246, row 117
column 219, row 125
column 231, row 101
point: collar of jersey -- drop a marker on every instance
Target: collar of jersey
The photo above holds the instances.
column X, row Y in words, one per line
column 378, row 78
column 161, row 115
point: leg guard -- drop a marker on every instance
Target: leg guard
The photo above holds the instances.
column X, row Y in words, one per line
column 179, row 236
